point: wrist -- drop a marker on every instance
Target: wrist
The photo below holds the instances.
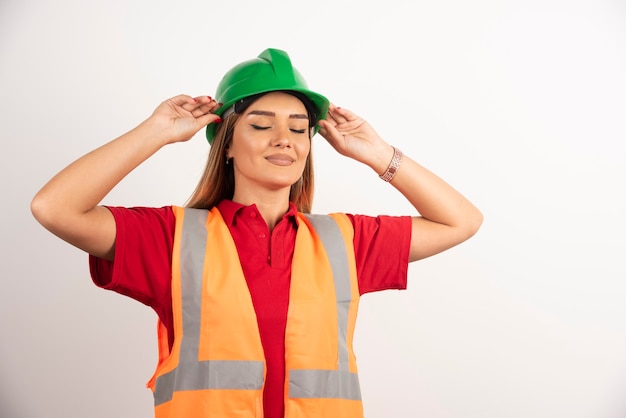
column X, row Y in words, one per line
column 394, row 165
column 379, row 160
column 154, row 131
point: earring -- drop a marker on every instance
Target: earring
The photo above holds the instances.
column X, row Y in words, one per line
column 227, row 160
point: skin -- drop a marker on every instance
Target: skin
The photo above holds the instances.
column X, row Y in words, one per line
column 268, row 152
column 447, row 217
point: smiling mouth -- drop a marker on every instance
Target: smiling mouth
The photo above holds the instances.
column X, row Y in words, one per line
column 282, row 160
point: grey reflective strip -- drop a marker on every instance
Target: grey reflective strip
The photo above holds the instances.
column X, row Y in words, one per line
column 339, row 383
column 336, row 384
column 191, row 374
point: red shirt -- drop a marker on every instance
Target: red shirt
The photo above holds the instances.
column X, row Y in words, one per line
column 143, row 255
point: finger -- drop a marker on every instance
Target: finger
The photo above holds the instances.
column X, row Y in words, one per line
column 208, row 118
column 192, row 104
column 329, row 131
column 181, row 99
column 201, row 100
column 335, row 117
column 204, row 106
column 338, row 114
column 347, row 117
column 329, row 115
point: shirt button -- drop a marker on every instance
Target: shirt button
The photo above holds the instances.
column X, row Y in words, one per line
column 261, row 235
column 253, row 214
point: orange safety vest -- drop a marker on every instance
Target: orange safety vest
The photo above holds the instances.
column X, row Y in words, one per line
column 216, row 367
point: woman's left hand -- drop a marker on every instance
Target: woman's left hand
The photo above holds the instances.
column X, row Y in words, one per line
column 446, row 217
column 352, row 136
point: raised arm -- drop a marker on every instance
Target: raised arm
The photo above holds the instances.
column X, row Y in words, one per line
column 447, row 217
column 68, row 204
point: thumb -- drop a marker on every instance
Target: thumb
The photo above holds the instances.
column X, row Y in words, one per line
column 209, row 118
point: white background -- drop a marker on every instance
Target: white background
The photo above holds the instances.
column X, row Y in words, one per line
column 519, row 105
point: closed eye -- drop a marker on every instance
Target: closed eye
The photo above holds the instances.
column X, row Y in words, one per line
column 263, row 128
column 260, row 128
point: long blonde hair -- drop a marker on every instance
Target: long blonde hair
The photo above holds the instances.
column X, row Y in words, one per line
column 218, row 180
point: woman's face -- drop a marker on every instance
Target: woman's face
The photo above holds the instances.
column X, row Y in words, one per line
column 270, row 143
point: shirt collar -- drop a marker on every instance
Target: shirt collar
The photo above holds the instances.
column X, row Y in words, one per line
column 232, row 210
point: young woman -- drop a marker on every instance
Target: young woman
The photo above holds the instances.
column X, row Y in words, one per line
column 256, row 297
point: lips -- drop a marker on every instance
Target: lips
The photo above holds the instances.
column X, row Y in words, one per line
column 280, row 159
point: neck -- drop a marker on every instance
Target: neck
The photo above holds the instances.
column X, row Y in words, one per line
column 271, row 206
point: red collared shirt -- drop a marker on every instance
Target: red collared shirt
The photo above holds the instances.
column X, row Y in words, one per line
column 143, row 254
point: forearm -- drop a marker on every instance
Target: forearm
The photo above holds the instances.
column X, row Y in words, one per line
column 83, row 184
column 433, row 198
column 446, row 216
column 68, row 204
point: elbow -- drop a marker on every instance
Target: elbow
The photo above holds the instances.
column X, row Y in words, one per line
column 468, row 224
column 474, row 221
column 42, row 210
column 38, row 208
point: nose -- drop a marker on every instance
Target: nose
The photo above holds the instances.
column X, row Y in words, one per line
column 282, row 137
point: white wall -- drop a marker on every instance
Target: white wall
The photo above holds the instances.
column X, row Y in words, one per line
column 519, row 105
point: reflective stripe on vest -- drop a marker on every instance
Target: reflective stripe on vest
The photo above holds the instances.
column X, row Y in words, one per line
column 192, row 374
column 343, row 383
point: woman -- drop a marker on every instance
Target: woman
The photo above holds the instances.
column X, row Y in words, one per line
column 256, row 298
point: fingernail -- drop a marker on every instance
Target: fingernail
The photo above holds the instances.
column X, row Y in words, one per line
column 195, row 100
column 210, row 98
column 218, row 120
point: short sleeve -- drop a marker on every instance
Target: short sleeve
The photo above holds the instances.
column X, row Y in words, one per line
column 381, row 246
column 141, row 268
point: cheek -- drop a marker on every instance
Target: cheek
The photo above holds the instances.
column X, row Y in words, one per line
column 243, row 146
column 303, row 148
column 242, row 143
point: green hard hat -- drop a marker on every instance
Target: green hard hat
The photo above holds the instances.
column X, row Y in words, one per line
column 270, row 71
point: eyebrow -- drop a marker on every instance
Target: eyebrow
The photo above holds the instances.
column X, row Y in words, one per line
column 272, row 114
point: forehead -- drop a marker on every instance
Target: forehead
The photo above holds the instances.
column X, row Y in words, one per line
column 278, row 102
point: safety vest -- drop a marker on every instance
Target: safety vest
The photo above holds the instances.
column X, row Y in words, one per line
column 216, row 366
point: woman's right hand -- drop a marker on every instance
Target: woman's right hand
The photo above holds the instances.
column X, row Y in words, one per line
column 68, row 204
column 179, row 118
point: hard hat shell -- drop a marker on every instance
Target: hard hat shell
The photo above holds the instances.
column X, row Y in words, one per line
column 270, row 71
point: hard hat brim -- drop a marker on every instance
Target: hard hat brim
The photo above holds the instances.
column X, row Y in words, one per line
column 320, row 102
